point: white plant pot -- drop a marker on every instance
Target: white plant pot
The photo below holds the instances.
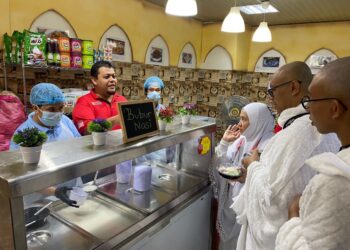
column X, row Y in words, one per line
column 162, row 124
column 99, row 138
column 185, row 119
column 31, row 154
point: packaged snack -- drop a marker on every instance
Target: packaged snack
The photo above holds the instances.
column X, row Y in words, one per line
column 76, row 60
column 65, row 60
column 88, row 61
column 17, row 40
column 87, row 47
column 8, row 48
column 75, row 45
column 63, row 44
column 34, row 48
column 107, row 53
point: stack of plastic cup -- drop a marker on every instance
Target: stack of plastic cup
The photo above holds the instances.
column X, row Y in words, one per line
column 142, row 178
column 123, row 171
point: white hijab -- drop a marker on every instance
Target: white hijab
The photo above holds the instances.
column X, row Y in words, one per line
column 261, row 125
column 257, row 134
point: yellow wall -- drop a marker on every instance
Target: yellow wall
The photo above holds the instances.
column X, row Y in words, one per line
column 143, row 21
column 91, row 18
column 4, row 18
column 297, row 42
column 236, row 44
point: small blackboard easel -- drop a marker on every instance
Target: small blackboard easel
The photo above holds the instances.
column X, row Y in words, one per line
column 138, row 120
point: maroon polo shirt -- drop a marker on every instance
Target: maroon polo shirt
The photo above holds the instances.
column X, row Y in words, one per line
column 90, row 107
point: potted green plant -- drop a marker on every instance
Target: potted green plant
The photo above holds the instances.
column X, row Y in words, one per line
column 186, row 111
column 165, row 116
column 30, row 141
column 98, row 128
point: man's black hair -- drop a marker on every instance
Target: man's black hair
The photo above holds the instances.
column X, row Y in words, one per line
column 97, row 66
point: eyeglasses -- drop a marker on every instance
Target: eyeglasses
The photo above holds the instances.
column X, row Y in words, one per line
column 270, row 89
column 305, row 101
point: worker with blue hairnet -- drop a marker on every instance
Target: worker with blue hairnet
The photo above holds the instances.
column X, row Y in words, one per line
column 48, row 102
column 153, row 88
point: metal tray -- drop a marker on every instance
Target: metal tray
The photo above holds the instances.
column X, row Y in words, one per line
column 167, row 184
column 176, row 182
column 99, row 216
column 146, row 202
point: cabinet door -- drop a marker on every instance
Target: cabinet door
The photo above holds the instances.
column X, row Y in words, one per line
column 187, row 230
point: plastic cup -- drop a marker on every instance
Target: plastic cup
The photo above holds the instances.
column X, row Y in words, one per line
column 123, row 171
column 79, row 195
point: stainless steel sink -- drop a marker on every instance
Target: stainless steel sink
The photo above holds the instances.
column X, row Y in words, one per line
column 99, row 216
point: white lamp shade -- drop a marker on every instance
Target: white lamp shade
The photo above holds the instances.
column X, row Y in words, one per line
column 233, row 22
column 262, row 34
column 181, row 7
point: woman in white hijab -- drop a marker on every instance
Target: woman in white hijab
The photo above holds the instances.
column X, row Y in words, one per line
column 252, row 132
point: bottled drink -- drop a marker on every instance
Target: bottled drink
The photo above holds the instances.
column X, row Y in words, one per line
column 56, row 54
column 49, row 51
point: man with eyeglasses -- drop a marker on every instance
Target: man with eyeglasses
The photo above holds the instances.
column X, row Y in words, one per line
column 273, row 180
column 320, row 219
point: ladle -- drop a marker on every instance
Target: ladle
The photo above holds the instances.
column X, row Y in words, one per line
column 41, row 209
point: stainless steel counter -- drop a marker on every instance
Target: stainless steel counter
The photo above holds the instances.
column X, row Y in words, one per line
column 126, row 213
column 65, row 160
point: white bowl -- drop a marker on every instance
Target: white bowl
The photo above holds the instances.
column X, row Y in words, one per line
column 79, row 195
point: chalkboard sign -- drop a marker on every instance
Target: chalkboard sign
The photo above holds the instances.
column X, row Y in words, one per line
column 138, row 119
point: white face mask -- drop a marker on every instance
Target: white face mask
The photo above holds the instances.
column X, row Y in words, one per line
column 154, row 95
column 51, row 119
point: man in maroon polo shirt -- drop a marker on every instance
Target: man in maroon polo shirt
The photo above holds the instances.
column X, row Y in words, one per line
column 102, row 100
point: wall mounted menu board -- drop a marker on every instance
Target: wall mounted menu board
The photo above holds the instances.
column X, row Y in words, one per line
column 138, row 120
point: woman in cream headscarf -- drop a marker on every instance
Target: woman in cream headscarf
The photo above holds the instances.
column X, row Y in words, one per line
column 252, row 132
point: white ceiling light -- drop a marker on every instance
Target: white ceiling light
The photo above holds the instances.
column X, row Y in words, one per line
column 263, row 33
column 181, row 7
column 233, row 22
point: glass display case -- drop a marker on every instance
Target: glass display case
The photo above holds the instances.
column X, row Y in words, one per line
column 115, row 215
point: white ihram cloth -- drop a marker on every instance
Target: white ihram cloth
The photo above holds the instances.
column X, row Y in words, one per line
column 258, row 133
column 324, row 221
column 272, row 182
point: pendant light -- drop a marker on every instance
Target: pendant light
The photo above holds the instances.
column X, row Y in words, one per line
column 263, row 33
column 181, row 7
column 233, row 22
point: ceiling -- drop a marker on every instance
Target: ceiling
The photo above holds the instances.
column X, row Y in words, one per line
column 290, row 11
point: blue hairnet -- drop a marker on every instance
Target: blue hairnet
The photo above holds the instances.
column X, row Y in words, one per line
column 46, row 93
column 153, row 81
